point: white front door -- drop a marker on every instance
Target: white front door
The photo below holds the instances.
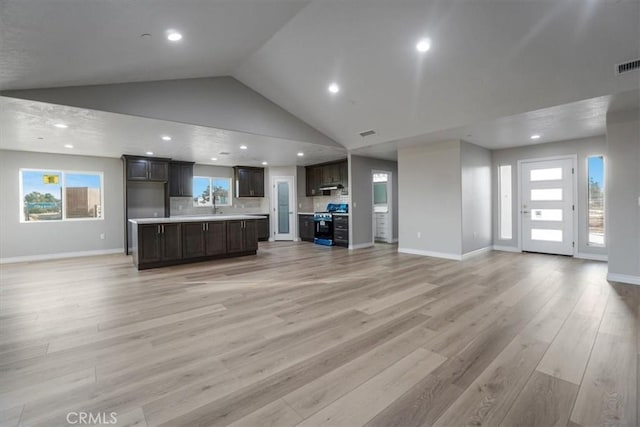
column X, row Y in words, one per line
column 547, row 206
column 283, row 203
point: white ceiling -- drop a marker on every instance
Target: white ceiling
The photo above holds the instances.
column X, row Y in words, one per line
column 95, row 133
column 498, row 70
column 46, row 43
column 580, row 119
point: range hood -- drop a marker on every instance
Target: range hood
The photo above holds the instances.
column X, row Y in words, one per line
column 328, row 187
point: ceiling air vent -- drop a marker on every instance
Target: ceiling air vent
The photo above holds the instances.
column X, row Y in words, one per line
column 224, row 153
column 367, row 133
column 628, row 66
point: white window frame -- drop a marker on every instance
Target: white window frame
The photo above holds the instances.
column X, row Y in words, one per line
column 211, row 178
column 63, row 196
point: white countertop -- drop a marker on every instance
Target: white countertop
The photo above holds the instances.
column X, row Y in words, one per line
column 187, row 218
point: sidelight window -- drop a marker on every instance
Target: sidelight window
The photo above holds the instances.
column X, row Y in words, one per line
column 54, row 195
column 207, row 190
column 595, row 167
column 504, row 204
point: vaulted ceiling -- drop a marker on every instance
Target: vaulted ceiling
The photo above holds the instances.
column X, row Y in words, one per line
column 492, row 64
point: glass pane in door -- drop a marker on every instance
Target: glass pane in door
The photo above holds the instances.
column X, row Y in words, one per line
column 546, row 235
column 546, row 194
column 551, row 174
column 283, row 207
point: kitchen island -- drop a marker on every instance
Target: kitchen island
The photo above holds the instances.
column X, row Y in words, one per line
column 159, row 242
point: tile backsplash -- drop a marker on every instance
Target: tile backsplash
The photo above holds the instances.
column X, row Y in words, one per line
column 319, row 203
column 184, row 206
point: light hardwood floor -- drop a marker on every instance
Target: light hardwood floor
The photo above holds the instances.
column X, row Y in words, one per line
column 315, row 336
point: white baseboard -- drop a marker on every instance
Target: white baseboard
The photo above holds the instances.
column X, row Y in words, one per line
column 593, row 257
column 46, row 257
column 477, row 252
column 506, row 248
column 623, row 278
column 444, row 255
column 361, row 245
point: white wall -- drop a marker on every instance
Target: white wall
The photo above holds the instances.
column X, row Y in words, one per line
column 429, row 181
column 583, row 148
column 361, row 194
column 219, row 102
column 476, row 197
column 622, row 196
column 42, row 239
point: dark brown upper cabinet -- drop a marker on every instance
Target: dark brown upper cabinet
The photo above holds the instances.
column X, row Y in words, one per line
column 180, row 179
column 146, row 169
column 249, row 181
column 325, row 175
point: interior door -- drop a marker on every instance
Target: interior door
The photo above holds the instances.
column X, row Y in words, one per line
column 283, row 203
column 547, row 206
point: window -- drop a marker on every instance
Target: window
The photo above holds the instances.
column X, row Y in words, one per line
column 505, row 206
column 208, row 189
column 51, row 195
column 595, row 167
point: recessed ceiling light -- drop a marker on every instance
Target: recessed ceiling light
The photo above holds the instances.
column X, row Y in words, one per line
column 265, row 163
column 166, row 138
column 173, row 36
column 149, row 153
column 536, row 136
column 68, row 146
column 214, row 158
column 300, row 154
column 61, row 125
column 334, row 88
column 243, row 147
column 423, row 45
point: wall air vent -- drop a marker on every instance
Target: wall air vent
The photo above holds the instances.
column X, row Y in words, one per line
column 628, row 66
column 367, row 133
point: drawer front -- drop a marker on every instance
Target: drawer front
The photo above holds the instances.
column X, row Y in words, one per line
column 340, row 235
column 341, row 222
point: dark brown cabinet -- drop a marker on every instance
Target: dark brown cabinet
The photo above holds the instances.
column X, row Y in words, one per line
column 146, row 169
column 159, row 243
column 201, row 239
column 181, row 179
column 249, row 181
column 306, row 227
column 341, row 230
column 242, row 236
column 263, row 229
column 215, row 238
column 326, row 174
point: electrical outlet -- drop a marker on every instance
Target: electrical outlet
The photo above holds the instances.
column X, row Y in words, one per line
column 155, row 214
column 101, row 236
column 419, row 234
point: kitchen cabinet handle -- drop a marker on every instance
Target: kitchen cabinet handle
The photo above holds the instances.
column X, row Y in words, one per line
column 163, row 229
column 158, row 229
column 207, row 226
column 203, row 226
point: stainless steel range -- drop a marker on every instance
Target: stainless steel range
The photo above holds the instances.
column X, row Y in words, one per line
column 323, row 222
